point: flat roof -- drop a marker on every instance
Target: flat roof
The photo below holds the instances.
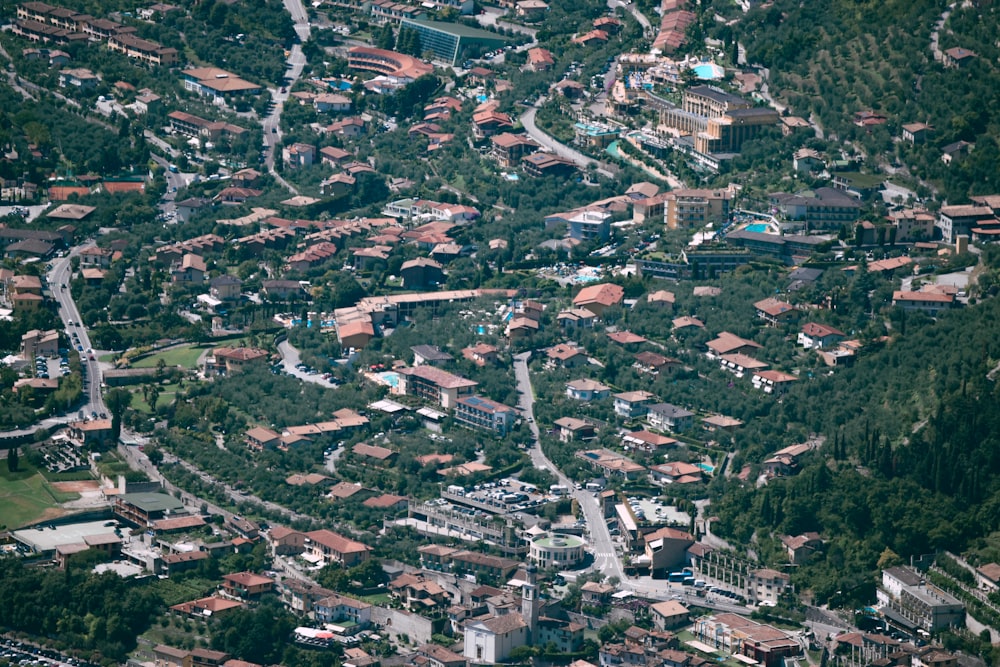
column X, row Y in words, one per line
column 152, row 502
column 48, row 539
column 457, row 29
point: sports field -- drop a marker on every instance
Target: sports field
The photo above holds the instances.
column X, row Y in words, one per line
column 26, row 497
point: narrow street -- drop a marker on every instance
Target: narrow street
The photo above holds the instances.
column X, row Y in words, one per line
column 560, row 149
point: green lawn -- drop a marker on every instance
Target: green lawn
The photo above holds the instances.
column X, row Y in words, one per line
column 167, row 393
column 25, row 497
column 185, row 356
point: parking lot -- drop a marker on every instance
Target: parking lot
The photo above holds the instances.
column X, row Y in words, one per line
column 22, row 653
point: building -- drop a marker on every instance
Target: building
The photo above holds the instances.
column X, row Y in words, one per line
column 142, row 509
column 325, row 547
column 669, row 615
column 144, row 50
column 775, row 311
column 932, row 303
column 547, row 164
column 666, row 549
column 338, row 610
column 508, row 149
column 765, row 644
column 483, row 414
column 772, row 382
column 590, row 223
column 36, row 343
column 907, row 599
column 397, row 67
column 785, row 461
column 234, row 359
column 815, row 336
column 669, row 417
column 217, row 84
column 767, row 585
column 571, row 428
column 556, row 550
column 453, row 43
column 820, row 209
column 695, row 208
column 491, row 641
column 609, row 463
column 598, row 298
column 730, row 343
column 633, row 404
column 246, row 586
column 586, row 389
column 435, row 385
column 955, row 221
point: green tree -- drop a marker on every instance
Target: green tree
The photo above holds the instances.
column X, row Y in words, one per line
column 117, row 400
column 12, row 459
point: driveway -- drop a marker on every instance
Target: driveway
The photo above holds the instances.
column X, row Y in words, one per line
column 562, row 150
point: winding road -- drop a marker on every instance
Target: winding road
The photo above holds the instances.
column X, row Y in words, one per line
column 562, row 150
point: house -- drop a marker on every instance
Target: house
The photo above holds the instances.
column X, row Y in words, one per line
column 234, row 359
column 633, row 404
column 576, row 318
column 325, row 546
column 988, row 577
column 785, row 461
column 626, row 338
column 586, row 389
column 567, row 355
column 422, row 273
column 547, row 164
column 653, row 363
column 338, row 609
column 666, row 548
column 669, row 615
column 94, row 432
column 669, row 417
column 37, row 343
column 434, row 385
column 646, row 442
column 387, row 502
column 815, row 336
column 225, row 288
column 953, row 151
column 191, row 269
column 373, row 453
column 662, row 298
column 801, row 547
column 481, row 354
column 488, row 122
column 932, row 303
column 600, row 297
column 508, row 149
column 418, row 592
column 772, row 382
column 917, row 133
column 484, row 414
column 539, row 60
column 246, row 586
column 80, row 78
column 740, row 364
column 775, row 311
column 729, row 343
column 571, row 428
column 957, row 57
column 334, row 156
column 430, row 355
column 611, row 464
column 594, row 594
column 298, row 155
column 676, row 472
column 260, row 438
column 807, row 160
column 532, row 10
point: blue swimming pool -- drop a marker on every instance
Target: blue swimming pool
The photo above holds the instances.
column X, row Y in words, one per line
column 759, row 227
column 391, row 378
column 706, row 467
column 708, row 71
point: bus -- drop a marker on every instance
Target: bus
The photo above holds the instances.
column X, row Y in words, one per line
column 679, row 577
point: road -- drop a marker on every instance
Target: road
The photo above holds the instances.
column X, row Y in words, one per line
column 296, row 63
column 603, row 547
column 632, row 9
column 560, row 149
column 58, row 277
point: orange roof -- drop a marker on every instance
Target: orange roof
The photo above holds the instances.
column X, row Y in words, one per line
column 605, row 294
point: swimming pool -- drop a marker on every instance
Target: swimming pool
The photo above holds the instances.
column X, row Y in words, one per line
column 708, row 71
column 481, row 98
column 707, row 468
column 391, row 378
column 759, row 227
